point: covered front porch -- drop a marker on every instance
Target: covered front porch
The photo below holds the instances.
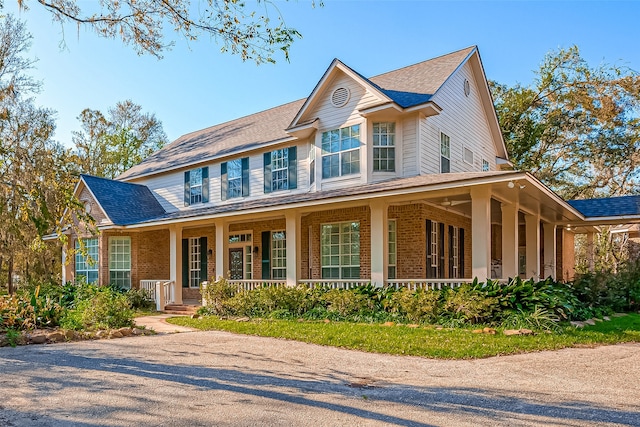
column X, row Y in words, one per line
column 429, row 236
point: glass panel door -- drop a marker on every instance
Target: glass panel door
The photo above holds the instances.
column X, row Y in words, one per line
column 236, row 263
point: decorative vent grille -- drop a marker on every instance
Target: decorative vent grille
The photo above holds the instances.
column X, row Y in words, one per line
column 340, row 97
column 468, row 156
column 467, row 87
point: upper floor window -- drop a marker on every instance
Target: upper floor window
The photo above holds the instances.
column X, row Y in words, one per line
column 384, row 152
column 341, row 152
column 485, row 165
column 280, row 170
column 234, row 176
column 196, row 186
column 312, row 164
column 87, row 261
column 445, row 153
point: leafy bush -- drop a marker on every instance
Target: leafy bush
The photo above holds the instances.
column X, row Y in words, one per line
column 468, row 304
column 106, row 309
column 217, row 295
column 606, row 290
column 538, row 319
column 417, row 306
column 138, row 299
column 347, row 302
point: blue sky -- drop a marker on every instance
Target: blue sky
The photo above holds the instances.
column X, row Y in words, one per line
column 196, row 86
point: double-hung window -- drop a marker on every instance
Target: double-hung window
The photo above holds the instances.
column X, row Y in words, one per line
column 393, row 250
column 196, row 186
column 384, row 151
column 278, row 255
column 340, row 250
column 280, row 170
column 341, row 152
column 234, row 178
column 195, row 258
column 120, row 262
column 445, row 153
column 485, row 165
column 87, row 259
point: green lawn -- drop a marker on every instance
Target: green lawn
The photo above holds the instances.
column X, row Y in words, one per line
column 424, row 341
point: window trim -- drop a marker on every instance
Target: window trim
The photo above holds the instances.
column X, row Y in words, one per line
column 389, row 147
column 341, row 152
column 282, row 251
column 340, row 255
column 442, row 156
column 392, row 255
column 204, row 186
column 466, row 149
column 91, row 263
column 112, row 253
column 488, row 165
column 195, row 260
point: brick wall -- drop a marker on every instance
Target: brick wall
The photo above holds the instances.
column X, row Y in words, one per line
column 257, row 228
column 315, row 220
column 412, row 238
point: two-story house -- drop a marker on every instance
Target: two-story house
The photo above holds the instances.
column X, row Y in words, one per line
column 395, row 179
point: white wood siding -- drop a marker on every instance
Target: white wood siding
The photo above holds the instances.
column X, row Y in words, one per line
column 464, row 120
column 409, row 146
column 331, row 117
column 168, row 188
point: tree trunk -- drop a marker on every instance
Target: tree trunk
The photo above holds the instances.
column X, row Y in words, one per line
column 10, row 274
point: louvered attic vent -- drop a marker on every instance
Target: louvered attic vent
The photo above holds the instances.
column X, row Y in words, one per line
column 340, row 97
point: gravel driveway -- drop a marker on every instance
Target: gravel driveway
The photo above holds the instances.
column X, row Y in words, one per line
column 217, row 378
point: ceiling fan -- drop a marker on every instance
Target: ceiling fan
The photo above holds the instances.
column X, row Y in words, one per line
column 447, row 202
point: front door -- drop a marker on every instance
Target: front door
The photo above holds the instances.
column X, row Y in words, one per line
column 236, row 263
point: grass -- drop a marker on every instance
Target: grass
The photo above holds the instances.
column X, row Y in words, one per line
column 427, row 341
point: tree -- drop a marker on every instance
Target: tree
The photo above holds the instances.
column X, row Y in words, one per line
column 36, row 175
column 576, row 127
column 252, row 33
column 108, row 146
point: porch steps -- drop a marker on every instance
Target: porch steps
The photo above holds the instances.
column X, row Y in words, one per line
column 184, row 309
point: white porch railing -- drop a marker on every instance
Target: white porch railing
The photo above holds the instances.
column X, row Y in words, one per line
column 432, row 284
column 160, row 291
column 249, row 285
column 334, row 283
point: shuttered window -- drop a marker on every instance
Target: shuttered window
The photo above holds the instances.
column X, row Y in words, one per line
column 196, row 186
column 280, row 170
column 234, row 178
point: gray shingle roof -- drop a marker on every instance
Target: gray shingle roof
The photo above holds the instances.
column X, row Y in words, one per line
column 608, row 206
column 408, row 86
column 124, row 203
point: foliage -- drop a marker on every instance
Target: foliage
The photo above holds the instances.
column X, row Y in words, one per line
column 29, row 310
column 575, row 127
column 468, row 304
column 109, row 145
column 253, row 33
column 425, row 341
column 99, row 308
column 607, row 291
column 36, row 188
column 217, row 295
column 347, row 302
column 138, row 299
column 417, row 306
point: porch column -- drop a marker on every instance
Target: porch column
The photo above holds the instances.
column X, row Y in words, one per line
column 509, row 240
column 222, row 238
column 590, row 252
column 549, row 231
column 175, row 262
column 293, row 235
column 481, row 232
column 379, row 242
column 64, row 263
column 532, row 225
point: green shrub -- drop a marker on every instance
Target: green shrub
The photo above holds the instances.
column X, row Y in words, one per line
column 468, row 304
column 139, row 299
column 106, row 309
column 417, row 306
column 347, row 302
column 217, row 295
column 538, row 319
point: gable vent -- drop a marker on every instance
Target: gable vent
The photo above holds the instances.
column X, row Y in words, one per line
column 340, row 97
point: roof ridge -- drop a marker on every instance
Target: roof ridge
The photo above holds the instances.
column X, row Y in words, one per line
column 470, row 48
column 83, row 175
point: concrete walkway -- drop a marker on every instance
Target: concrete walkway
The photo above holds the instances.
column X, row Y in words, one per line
column 158, row 323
